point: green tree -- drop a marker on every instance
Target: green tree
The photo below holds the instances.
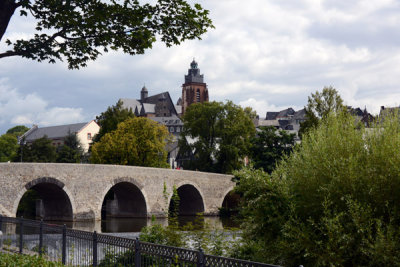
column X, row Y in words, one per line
column 137, row 141
column 71, row 151
column 80, row 30
column 8, row 147
column 269, row 146
column 221, row 134
column 41, row 150
column 333, row 202
column 320, row 104
column 109, row 119
column 17, row 130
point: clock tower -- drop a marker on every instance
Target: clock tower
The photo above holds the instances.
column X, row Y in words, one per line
column 194, row 90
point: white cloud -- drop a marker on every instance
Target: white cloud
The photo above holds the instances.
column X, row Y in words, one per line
column 17, row 108
column 267, row 54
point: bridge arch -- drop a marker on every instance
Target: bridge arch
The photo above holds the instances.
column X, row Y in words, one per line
column 56, row 201
column 85, row 185
column 226, row 193
column 191, row 199
column 230, row 203
column 123, row 197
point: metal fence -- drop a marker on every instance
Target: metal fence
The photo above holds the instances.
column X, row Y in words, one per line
column 81, row 248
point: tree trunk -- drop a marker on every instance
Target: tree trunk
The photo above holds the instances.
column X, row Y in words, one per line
column 7, row 8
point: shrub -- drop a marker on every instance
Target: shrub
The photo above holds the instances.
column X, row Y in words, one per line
column 334, row 201
column 8, row 259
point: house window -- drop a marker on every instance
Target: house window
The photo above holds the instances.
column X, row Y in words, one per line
column 89, row 136
column 171, row 129
column 178, row 129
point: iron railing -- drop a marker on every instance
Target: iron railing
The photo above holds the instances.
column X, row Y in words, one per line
column 81, row 248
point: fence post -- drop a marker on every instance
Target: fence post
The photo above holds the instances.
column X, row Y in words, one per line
column 21, row 232
column 137, row 253
column 200, row 258
column 64, row 244
column 94, row 248
column 41, row 238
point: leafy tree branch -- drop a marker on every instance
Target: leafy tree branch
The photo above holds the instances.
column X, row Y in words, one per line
column 80, row 30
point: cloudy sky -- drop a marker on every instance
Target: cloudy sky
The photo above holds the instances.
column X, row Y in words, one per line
column 267, row 54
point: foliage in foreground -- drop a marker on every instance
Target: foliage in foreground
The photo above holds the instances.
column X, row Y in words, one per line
column 80, row 30
column 10, row 259
column 334, row 201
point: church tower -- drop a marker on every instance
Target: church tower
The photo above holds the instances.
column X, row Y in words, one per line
column 144, row 93
column 194, row 90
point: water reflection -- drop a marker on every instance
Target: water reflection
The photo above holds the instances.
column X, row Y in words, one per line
column 126, row 225
column 123, row 225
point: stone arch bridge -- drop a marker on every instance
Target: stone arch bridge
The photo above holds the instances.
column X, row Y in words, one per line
column 85, row 191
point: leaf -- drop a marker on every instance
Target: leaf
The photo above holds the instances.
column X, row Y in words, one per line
column 23, row 13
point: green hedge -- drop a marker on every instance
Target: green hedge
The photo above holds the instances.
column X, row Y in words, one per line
column 10, row 260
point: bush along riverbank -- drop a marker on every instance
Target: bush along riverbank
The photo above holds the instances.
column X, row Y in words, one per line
column 334, row 201
column 20, row 260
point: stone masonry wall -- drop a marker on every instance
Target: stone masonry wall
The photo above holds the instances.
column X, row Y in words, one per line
column 87, row 184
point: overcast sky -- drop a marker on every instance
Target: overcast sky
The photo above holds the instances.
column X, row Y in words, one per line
column 267, row 54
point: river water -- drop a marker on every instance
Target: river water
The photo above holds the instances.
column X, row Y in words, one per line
column 134, row 225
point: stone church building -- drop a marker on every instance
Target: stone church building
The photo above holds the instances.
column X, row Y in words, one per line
column 162, row 109
column 194, row 90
